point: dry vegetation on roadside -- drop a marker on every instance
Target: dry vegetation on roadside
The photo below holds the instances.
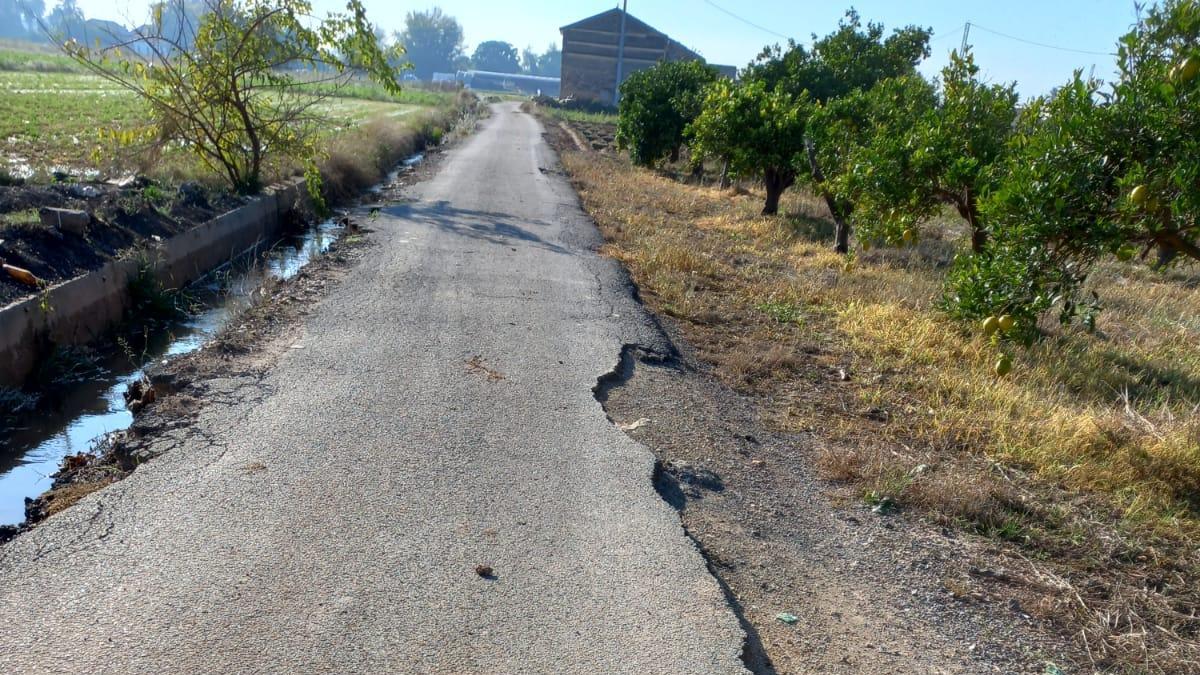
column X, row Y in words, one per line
column 1082, row 468
column 360, row 158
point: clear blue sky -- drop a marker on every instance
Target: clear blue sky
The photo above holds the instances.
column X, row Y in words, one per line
column 1090, row 25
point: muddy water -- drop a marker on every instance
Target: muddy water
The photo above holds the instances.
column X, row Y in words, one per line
column 92, row 408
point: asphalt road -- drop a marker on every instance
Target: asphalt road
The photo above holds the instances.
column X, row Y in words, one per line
column 436, row 414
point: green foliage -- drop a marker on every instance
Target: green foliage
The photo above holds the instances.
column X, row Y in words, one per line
column 783, row 312
column 919, row 150
column 759, row 131
column 1092, row 173
column 1047, row 216
column 657, row 104
column 1011, row 277
column 150, row 299
column 22, row 218
column 572, row 115
column 433, row 42
column 220, row 89
column 497, row 57
column 854, row 57
column 863, row 145
column 845, row 63
column 546, row 64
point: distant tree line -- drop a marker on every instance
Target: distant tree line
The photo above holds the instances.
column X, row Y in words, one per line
column 32, row 20
column 433, row 41
column 19, row 19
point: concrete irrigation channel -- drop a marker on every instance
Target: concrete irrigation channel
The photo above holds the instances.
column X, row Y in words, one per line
column 222, row 264
column 83, row 309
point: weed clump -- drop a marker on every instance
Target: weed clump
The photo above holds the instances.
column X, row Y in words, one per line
column 151, row 300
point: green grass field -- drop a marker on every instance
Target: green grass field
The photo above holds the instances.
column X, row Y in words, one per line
column 581, row 116
column 52, row 111
column 28, row 56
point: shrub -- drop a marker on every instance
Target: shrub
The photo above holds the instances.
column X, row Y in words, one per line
column 216, row 84
column 1093, row 173
column 657, row 105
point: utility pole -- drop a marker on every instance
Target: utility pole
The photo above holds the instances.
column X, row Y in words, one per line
column 620, row 54
column 966, row 36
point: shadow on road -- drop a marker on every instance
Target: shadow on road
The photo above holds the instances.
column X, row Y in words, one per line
column 494, row 228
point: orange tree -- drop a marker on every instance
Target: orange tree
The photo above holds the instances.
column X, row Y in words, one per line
column 919, row 149
column 657, row 104
column 1093, row 172
column 758, row 131
column 235, row 82
column 869, row 166
column 854, row 58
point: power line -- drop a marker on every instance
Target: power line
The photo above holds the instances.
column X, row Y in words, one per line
column 748, row 22
column 971, row 24
column 964, row 29
column 957, row 31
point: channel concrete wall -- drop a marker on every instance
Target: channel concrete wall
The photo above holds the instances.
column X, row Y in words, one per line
column 86, row 308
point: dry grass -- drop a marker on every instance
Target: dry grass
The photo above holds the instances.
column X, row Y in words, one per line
column 60, row 499
column 360, row 158
column 1083, row 466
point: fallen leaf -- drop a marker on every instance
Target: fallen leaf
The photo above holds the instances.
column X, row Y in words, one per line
column 476, row 366
column 637, row 424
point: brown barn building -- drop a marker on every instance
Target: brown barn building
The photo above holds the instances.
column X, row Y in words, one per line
column 589, row 54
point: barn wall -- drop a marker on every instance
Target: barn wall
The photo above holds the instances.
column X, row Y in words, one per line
column 589, row 66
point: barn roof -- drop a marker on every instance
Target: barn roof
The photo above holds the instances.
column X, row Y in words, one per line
column 610, row 21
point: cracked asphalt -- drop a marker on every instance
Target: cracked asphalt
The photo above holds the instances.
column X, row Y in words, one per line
column 435, row 414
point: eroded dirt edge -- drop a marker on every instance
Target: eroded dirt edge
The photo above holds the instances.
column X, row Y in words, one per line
column 820, row 581
column 869, row 591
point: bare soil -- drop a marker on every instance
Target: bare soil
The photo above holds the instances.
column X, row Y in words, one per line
column 122, row 219
column 871, row 591
column 599, row 137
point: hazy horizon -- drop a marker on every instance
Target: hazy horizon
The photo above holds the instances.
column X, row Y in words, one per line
column 732, row 34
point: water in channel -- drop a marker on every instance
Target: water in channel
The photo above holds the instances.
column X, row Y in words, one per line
column 88, row 410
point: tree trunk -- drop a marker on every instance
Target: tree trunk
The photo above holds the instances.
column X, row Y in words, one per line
column 978, row 238
column 1171, row 243
column 841, row 235
column 838, row 211
column 968, row 208
column 254, row 171
column 725, row 175
column 776, row 181
column 1166, row 254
